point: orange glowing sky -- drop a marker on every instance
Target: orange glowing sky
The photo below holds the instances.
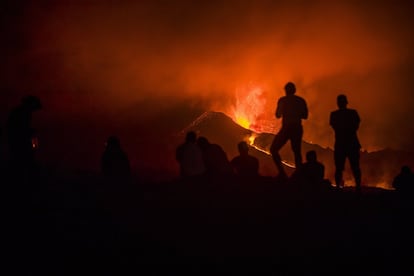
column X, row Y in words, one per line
column 105, row 55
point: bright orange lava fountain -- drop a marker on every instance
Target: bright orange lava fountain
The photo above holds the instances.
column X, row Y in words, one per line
column 249, row 107
column 248, row 113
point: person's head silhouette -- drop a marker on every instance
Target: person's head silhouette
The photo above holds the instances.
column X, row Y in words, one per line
column 191, row 137
column 290, row 88
column 311, row 156
column 31, row 103
column 243, row 148
column 405, row 169
column 113, row 143
column 342, row 101
column 202, row 142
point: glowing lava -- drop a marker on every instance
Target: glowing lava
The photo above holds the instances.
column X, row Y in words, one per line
column 249, row 107
column 244, row 122
column 251, row 140
column 248, row 112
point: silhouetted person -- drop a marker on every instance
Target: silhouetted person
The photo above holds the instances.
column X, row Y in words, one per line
column 20, row 134
column 114, row 162
column 345, row 123
column 190, row 157
column 311, row 173
column 1, row 133
column 292, row 109
column 245, row 165
column 314, row 170
column 404, row 181
column 215, row 159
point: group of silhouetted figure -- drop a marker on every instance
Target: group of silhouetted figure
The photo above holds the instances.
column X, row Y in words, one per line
column 22, row 144
column 344, row 121
column 21, row 138
column 198, row 157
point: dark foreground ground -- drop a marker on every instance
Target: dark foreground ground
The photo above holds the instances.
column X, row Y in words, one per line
column 85, row 225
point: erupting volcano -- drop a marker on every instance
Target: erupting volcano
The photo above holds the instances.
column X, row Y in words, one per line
column 128, row 68
column 378, row 167
column 144, row 73
column 249, row 110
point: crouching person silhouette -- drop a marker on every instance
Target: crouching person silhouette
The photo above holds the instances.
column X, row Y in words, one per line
column 311, row 176
column 404, row 181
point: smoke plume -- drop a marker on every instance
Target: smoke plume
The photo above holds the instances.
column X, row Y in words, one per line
column 90, row 57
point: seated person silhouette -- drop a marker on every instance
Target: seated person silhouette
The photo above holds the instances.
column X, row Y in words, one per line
column 20, row 134
column 215, row 159
column 404, row 181
column 114, row 162
column 190, row 157
column 311, row 173
column 245, row 165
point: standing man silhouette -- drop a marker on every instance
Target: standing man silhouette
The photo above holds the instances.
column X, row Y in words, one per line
column 20, row 134
column 345, row 123
column 292, row 109
column 190, row 157
column 114, row 161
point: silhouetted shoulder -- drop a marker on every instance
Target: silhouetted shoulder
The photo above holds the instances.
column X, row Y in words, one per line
column 347, row 113
column 179, row 152
column 190, row 159
column 404, row 181
column 215, row 159
column 345, row 119
column 245, row 165
column 292, row 100
column 292, row 108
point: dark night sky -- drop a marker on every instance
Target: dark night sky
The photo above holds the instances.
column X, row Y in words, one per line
column 87, row 58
